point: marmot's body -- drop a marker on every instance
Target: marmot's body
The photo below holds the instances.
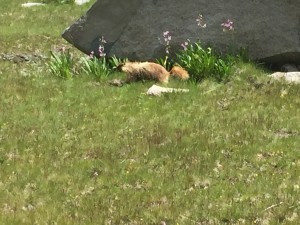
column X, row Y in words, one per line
column 151, row 71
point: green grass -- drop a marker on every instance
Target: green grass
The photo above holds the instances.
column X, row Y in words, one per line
column 81, row 152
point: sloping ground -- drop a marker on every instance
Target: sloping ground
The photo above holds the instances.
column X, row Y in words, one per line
column 81, row 152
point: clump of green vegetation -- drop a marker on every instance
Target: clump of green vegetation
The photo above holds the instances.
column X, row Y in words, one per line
column 96, row 64
column 62, row 64
column 114, row 62
column 203, row 63
column 96, row 67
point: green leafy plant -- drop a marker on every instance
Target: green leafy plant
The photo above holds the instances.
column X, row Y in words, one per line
column 204, row 63
column 165, row 62
column 97, row 65
column 114, row 62
column 61, row 63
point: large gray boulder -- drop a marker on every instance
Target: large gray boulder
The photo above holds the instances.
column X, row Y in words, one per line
column 270, row 29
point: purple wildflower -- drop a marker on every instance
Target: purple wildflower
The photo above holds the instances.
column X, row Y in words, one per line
column 200, row 21
column 227, row 26
column 62, row 49
column 184, row 45
column 91, row 55
column 101, row 51
column 102, row 40
column 167, row 38
column 166, row 33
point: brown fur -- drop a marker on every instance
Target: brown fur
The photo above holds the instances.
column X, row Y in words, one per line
column 179, row 72
column 151, row 71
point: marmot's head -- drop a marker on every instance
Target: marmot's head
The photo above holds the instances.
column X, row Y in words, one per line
column 119, row 67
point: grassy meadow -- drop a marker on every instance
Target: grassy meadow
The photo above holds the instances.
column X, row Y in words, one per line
column 84, row 152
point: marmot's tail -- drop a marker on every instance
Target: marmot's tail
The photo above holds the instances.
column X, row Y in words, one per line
column 179, row 72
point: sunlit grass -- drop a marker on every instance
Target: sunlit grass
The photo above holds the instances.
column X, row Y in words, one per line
column 84, row 152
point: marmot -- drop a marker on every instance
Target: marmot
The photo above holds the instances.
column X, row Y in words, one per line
column 151, row 71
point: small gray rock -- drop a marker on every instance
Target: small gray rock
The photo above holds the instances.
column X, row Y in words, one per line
column 157, row 90
column 291, row 77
